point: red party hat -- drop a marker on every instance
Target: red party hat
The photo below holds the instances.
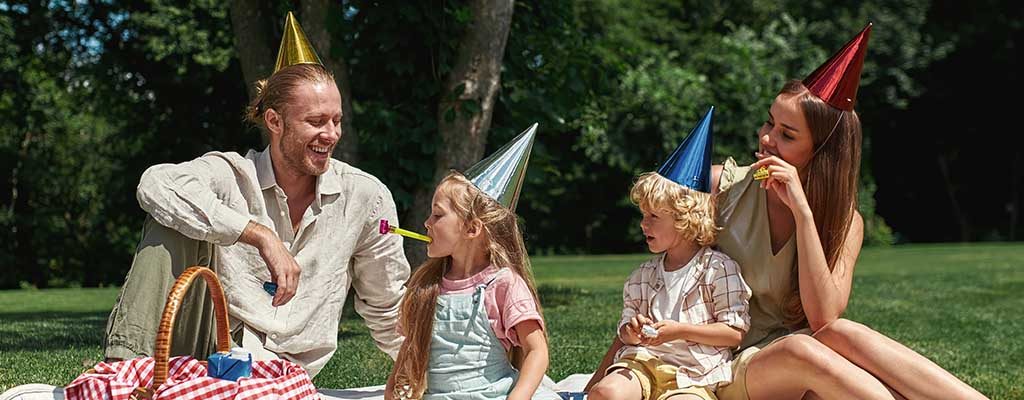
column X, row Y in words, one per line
column 837, row 79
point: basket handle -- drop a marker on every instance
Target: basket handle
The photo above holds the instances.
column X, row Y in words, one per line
column 166, row 330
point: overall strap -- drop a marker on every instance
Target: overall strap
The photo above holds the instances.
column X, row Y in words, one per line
column 495, row 277
column 481, row 287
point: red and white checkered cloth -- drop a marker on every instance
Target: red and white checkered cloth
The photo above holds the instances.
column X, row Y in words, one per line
column 186, row 379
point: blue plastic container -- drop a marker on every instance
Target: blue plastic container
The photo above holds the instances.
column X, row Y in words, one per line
column 230, row 366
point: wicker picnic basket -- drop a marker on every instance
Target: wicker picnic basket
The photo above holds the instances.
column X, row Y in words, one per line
column 163, row 377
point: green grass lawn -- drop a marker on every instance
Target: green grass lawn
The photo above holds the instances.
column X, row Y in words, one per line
column 959, row 305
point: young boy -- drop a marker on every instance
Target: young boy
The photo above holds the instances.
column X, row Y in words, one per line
column 686, row 308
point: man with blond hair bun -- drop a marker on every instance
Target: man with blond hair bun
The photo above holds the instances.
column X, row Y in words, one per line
column 290, row 215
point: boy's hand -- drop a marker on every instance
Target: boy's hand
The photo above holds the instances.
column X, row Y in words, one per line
column 668, row 331
column 630, row 333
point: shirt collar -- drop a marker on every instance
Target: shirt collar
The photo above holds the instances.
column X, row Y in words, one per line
column 481, row 277
column 265, row 170
column 695, row 260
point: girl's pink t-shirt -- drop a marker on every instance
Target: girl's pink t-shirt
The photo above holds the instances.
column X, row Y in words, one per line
column 508, row 301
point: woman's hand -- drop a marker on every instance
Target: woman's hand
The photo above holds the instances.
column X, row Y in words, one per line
column 783, row 179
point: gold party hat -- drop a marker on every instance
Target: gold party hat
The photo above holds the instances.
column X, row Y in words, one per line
column 295, row 49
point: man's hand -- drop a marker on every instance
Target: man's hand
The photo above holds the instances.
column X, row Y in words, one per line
column 284, row 271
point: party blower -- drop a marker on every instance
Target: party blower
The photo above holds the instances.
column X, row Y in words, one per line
column 762, row 174
column 386, row 228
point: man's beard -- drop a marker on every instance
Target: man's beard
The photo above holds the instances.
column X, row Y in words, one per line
column 294, row 152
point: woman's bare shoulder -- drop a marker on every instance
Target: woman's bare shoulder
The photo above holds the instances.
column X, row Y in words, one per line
column 716, row 177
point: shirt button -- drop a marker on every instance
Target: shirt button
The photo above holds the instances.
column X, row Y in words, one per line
column 273, row 336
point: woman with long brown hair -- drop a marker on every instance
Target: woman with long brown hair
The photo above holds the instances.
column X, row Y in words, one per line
column 796, row 235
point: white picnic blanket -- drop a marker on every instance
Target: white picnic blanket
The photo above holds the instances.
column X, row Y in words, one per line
column 572, row 383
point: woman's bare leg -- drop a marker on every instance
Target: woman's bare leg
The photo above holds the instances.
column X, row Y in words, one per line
column 799, row 365
column 897, row 396
column 618, row 385
column 909, row 373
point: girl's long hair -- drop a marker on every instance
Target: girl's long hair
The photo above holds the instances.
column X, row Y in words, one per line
column 831, row 182
column 505, row 249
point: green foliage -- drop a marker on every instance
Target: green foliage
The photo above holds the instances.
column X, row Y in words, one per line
column 660, row 106
column 98, row 94
column 57, row 164
column 876, row 232
column 95, row 92
column 663, row 64
column 177, row 32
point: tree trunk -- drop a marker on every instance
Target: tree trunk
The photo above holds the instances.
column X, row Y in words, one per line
column 467, row 102
column 958, row 214
column 255, row 41
column 315, row 14
column 25, row 254
column 1014, row 207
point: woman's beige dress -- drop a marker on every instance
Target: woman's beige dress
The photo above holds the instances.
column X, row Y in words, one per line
column 745, row 237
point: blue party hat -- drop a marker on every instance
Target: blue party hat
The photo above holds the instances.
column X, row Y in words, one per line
column 690, row 164
column 500, row 175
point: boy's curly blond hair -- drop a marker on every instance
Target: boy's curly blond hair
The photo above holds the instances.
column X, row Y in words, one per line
column 694, row 211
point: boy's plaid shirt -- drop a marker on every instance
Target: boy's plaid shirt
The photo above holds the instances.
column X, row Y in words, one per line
column 712, row 291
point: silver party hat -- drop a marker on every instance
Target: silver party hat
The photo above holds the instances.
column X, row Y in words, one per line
column 500, row 175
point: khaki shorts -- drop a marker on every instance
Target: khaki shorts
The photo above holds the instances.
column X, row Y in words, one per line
column 658, row 379
column 737, row 390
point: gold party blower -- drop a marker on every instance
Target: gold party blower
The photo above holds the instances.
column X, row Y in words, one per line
column 761, row 174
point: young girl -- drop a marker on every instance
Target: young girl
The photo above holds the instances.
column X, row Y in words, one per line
column 469, row 304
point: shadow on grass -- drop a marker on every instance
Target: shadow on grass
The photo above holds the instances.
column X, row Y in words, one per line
column 51, row 330
column 344, row 334
column 556, row 296
column 48, row 331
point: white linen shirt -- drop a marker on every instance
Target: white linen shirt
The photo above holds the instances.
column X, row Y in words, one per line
column 337, row 246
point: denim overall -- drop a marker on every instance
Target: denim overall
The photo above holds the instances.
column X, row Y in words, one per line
column 467, row 360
